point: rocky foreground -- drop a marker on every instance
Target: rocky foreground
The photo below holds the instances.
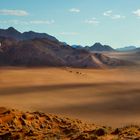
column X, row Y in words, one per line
column 16, row 125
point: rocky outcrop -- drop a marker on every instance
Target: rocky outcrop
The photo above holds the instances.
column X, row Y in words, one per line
column 17, row 125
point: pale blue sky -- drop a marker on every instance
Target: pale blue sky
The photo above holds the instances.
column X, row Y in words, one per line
column 84, row 22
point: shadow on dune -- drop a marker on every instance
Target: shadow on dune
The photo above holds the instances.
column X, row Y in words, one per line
column 119, row 105
column 126, row 104
column 47, row 88
column 117, row 100
column 120, row 99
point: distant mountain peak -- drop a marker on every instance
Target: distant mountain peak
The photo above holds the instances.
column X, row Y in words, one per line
column 127, row 48
column 98, row 43
column 12, row 29
column 11, row 32
column 99, row 47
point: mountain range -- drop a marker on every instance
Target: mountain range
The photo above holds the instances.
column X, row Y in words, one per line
column 97, row 47
column 127, row 48
column 13, row 33
column 100, row 48
column 40, row 49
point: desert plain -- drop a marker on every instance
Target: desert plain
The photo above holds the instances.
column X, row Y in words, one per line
column 103, row 96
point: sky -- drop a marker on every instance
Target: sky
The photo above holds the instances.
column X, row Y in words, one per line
column 81, row 22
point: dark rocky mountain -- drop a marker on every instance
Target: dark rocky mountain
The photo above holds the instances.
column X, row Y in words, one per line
column 137, row 52
column 13, row 33
column 77, row 47
column 10, row 33
column 5, row 44
column 137, row 49
column 49, row 52
column 98, row 47
column 128, row 48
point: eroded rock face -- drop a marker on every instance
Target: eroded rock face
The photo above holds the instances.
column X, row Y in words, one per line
column 16, row 125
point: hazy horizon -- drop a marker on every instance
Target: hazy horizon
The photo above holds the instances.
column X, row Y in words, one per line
column 76, row 21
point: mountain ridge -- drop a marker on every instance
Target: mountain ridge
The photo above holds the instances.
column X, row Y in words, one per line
column 15, row 34
column 127, row 48
column 100, row 48
column 43, row 51
column 96, row 47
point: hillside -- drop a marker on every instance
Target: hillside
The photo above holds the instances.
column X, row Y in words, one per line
column 17, row 125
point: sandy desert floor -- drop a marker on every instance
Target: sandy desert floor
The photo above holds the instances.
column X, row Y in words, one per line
column 106, row 97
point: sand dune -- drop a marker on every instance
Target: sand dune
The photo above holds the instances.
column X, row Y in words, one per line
column 106, row 97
